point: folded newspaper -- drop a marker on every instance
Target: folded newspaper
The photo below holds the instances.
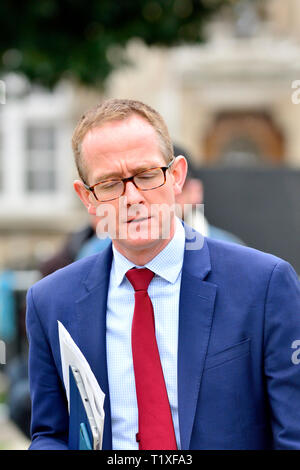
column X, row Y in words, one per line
column 72, row 356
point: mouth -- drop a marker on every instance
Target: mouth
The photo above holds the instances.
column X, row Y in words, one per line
column 137, row 220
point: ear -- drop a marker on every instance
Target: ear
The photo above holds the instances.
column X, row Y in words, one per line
column 85, row 196
column 179, row 172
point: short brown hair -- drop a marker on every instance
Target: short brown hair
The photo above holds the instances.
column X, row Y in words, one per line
column 114, row 110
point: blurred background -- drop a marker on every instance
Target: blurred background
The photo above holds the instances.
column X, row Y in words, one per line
column 223, row 74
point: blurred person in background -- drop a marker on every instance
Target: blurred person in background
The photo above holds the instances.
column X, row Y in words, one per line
column 83, row 242
column 192, row 194
column 80, row 243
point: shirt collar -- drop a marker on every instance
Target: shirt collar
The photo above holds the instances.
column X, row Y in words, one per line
column 167, row 264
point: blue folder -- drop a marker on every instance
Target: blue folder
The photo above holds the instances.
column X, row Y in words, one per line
column 83, row 433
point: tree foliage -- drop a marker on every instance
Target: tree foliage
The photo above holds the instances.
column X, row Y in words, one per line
column 50, row 39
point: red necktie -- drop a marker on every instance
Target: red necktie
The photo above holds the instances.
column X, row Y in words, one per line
column 156, row 430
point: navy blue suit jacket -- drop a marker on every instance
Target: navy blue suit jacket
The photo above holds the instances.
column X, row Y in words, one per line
column 239, row 315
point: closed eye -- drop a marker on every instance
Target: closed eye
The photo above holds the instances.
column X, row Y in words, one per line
column 110, row 185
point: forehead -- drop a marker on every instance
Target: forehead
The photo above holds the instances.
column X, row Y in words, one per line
column 119, row 136
column 119, row 147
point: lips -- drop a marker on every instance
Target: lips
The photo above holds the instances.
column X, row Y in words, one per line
column 137, row 219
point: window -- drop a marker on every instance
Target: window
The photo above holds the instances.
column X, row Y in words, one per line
column 40, row 158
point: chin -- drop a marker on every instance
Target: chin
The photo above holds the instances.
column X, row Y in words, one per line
column 143, row 236
column 141, row 244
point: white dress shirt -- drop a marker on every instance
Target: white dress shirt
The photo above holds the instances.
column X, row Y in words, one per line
column 164, row 290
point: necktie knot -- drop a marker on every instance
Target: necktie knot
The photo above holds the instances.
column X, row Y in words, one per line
column 140, row 278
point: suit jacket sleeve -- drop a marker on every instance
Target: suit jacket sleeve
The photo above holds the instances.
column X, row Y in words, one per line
column 49, row 421
column 282, row 371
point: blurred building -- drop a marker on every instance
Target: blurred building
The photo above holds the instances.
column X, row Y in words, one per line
column 228, row 102
column 37, row 203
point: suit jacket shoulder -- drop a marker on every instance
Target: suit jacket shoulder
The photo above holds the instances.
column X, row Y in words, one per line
column 240, row 260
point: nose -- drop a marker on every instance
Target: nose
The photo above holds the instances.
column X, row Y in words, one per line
column 133, row 195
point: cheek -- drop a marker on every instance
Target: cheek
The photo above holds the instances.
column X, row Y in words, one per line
column 162, row 205
column 107, row 212
column 166, row 193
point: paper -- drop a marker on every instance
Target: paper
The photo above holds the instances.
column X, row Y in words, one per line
column 72, row 356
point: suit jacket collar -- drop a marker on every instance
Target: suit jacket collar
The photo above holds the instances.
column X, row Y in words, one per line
column 196, row 260
column 195, row 318
column 91, row 329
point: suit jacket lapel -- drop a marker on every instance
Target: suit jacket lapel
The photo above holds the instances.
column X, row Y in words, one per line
column 91, row 329
column 196, row 309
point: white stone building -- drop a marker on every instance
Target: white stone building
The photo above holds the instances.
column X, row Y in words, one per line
column 228, row 102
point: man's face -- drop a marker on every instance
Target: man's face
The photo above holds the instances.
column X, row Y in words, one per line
column 120, row 149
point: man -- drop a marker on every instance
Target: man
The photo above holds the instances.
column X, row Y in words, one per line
column 219, row 370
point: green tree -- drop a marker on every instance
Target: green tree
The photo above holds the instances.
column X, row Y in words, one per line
column 50, row 39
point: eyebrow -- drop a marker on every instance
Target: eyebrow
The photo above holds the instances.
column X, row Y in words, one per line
column 118, row 176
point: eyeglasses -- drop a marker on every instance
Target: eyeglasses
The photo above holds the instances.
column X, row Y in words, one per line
column 146, row 180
